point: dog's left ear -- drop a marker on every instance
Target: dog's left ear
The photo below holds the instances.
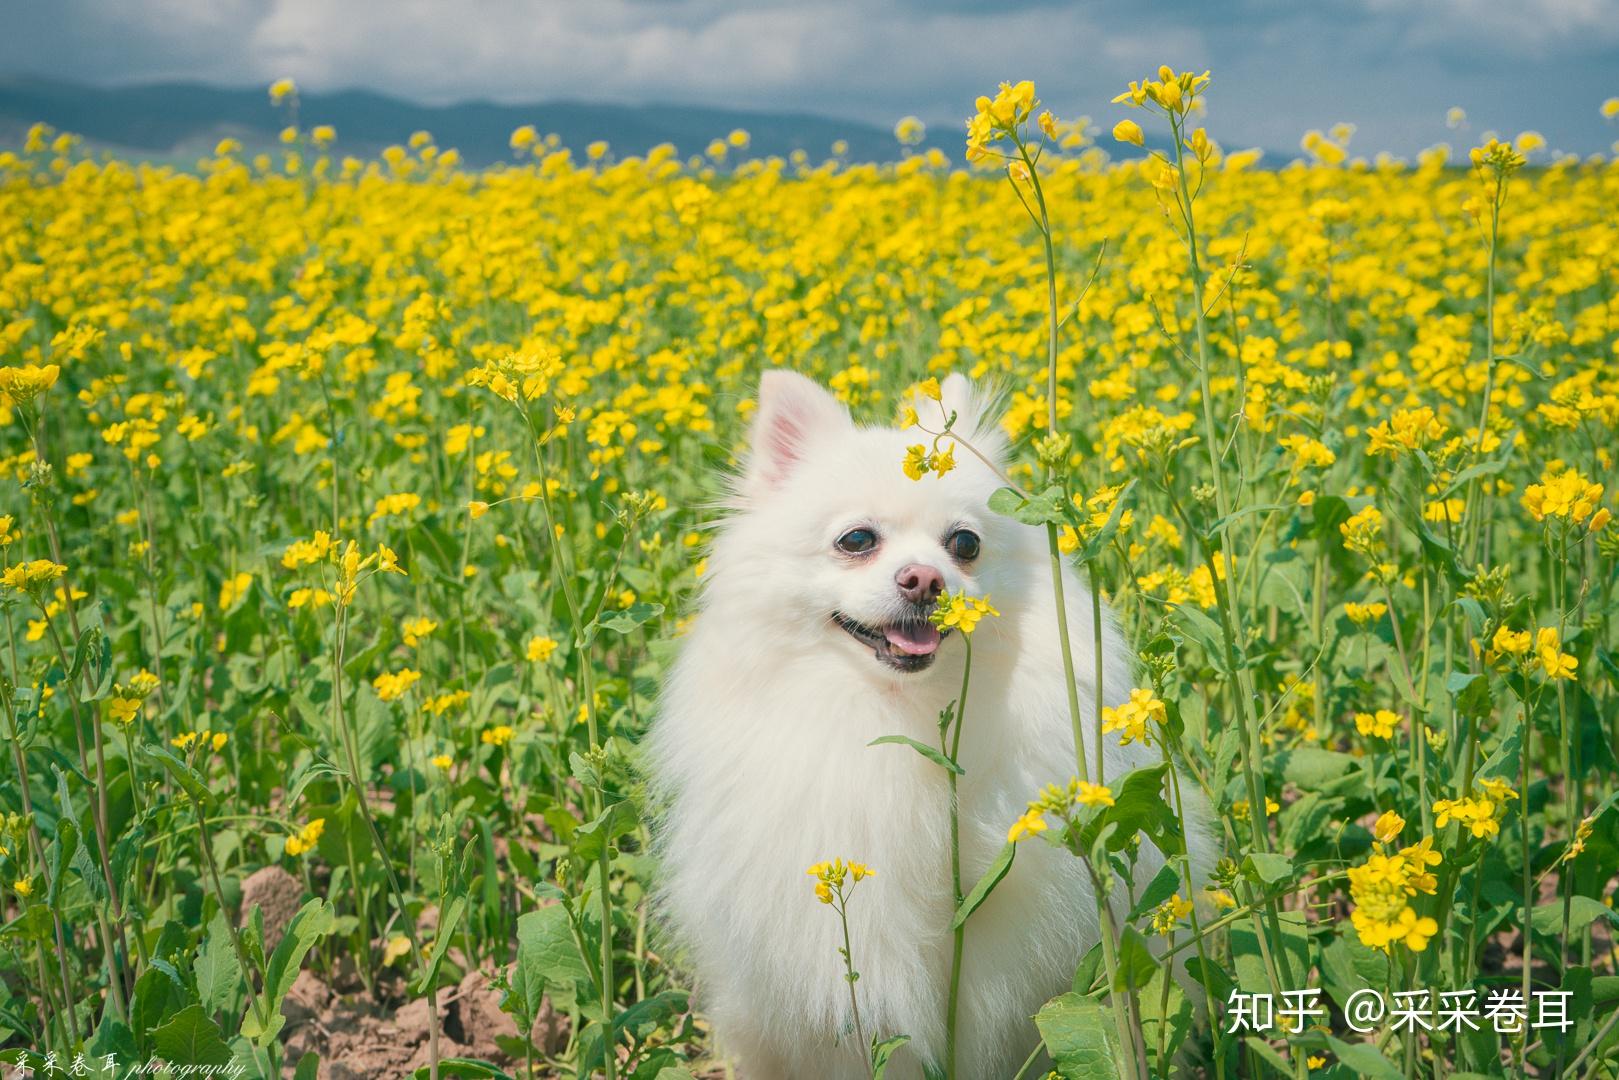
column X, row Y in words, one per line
column 793, row 413
column 977, row 412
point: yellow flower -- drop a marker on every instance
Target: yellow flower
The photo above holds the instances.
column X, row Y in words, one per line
column 540, row 648
column 306, row 837
column 1388, row 827
column 281, row 89
column 1565, row 494
column 916, row 461
column 1363, row 532
column 23, row 887
column 1032, row 823
column 1550, row 657
column 1094, row 794
column 414, row 629
column 123, row 709
column 1171, row 911
column 442, row 762
column 390, row 686
column 499, row 735
column 1128, row 131
column 1134, row 716
column 234, row 589
column 29, row 576
column 22, row 385
column 1361, row 614
column 1378, row 725
column 958, row 611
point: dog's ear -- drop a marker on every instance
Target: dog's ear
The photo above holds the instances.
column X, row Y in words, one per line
column 792, row 411
column 977, row 410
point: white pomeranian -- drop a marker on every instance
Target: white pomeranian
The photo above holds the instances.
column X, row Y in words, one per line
column 811, row 641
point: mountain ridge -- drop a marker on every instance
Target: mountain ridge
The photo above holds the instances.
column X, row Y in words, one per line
column 175, row 119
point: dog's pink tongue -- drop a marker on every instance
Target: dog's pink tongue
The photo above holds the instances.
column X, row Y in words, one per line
column 913, row 639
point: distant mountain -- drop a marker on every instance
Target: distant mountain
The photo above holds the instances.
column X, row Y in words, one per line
column 181, row 121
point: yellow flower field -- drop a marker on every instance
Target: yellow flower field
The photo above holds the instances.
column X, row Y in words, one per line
column 352, row 508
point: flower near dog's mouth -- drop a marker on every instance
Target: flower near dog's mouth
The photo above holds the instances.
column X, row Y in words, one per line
column 910, row 644
column 907, row 644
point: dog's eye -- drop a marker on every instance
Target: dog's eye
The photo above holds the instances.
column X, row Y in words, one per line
column 857, row 541
column 963, row 544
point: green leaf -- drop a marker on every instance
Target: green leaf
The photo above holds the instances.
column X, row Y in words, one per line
column 615, row 821
column 548, row 956
column 308, row 1067
column 1104, row 536
column 1136, row 963
column 1583, row 911
column 314, row 921
column 627, row 620
column 1364, row 1059
column 986, row 885
column 933, row 755
column 881, row 1052
column 1267, row 867
column 671, row 1072
column 1049, row 507
column 1079, row 1033
column 1313, row 768
column 1472, row 693
column 189, row 779
column 1160, row 888
column 1207, row 633
column 447, row 924
column 1293, row 957
column 1139, row 806
column 216, row 969
column 191, row 1038
column 463, row 1069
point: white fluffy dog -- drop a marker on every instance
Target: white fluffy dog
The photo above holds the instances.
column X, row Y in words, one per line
column 810, row 643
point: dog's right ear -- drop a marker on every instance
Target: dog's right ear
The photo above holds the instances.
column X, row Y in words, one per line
column 793, row 410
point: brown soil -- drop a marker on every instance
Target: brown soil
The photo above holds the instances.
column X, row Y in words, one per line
column 359, row 1037
column 278, row 894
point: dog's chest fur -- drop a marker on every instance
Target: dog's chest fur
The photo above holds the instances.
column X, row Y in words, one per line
column 768, row 768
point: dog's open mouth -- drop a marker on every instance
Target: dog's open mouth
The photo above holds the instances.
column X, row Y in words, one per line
column 907, row 645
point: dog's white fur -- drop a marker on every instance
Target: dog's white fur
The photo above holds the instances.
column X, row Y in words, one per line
column 761, row 755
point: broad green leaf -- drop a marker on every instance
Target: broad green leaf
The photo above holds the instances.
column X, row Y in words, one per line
column 617, row 820
column 314, row 921
column 217, row 971
column 1136, row 964
column 1080, row 1034
column 191, row 1038
column 1049, row 507
column 1268, row 868
column 1583, row 911
column 548, row 957
column 1160, row 888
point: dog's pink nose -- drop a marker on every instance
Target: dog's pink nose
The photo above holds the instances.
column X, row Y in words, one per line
column 919, row 584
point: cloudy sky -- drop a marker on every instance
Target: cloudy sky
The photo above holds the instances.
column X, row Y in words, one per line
column 1393, row 67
